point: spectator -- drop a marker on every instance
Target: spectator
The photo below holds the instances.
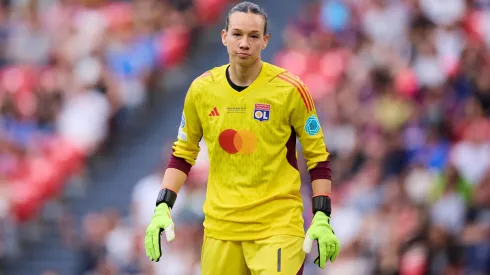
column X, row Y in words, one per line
column 92, row 251
column 402, row 87
column 407, row 127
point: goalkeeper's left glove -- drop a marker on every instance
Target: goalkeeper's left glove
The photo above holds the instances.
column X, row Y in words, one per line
column 161, row 221
column 320, row 230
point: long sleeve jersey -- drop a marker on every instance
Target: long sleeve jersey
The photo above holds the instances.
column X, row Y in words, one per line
column 253, row 189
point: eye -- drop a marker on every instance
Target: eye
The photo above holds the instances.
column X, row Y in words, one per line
column 255, row 36
column 236, row 34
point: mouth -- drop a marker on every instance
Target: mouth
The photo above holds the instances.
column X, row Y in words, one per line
column 243, row 55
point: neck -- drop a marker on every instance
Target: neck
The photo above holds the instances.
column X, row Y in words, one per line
column 245, row 75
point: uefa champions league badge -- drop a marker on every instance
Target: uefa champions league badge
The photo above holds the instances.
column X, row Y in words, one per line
column 182, row 135
column 262, row 112
column 182, row 121
column 312, row 125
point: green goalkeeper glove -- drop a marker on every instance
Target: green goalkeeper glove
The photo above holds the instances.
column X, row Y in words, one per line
column 328, row 244
column 161, row 221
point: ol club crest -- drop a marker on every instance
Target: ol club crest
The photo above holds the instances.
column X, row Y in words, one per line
column 262, row 112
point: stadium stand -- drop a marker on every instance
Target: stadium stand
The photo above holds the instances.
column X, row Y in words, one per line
column 403, row 92
column 73, row 73
column 405, row 100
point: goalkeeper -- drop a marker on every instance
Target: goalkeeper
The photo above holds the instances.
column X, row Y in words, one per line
column 250, row 113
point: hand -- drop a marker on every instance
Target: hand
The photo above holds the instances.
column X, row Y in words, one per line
column 161, row 221
column 328, row 244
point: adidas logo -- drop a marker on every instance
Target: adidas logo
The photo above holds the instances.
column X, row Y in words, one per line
column 214, row 112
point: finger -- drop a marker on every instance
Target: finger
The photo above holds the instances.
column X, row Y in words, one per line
column 307, row 244
column 158, row 249
column 323, row 255
column 148, row 246
column 336, row 252
column 156, row 245
column 153, row 253
column 170, row 233
column 330, row 251
column 317, row 261
column 151, row 249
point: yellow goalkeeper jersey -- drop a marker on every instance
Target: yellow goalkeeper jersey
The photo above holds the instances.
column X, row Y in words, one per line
column 253, row 189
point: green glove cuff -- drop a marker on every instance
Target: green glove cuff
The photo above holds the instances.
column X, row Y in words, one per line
column 321, row 221
column 162, row 210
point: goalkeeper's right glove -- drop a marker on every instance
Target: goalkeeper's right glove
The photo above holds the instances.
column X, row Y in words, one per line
column 327, row 242
column 161, row 221
column 320, row 230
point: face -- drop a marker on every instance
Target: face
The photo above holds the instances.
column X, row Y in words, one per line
column 245, row 37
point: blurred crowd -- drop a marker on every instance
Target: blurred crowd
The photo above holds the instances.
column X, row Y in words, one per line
column 74, row 74
column 403, row 92
column 114, row 244
column 402, row 88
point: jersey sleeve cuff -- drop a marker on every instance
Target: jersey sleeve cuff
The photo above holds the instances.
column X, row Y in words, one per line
column 321, row 171
column 180, row 164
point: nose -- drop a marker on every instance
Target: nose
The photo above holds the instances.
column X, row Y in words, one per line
column 244, row 43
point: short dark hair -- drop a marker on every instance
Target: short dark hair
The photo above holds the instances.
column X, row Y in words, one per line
column 248, row 7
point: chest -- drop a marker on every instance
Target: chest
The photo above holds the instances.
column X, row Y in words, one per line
column 264, row 115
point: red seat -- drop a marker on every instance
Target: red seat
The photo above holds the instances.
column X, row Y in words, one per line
column 68, row 157
column 173, row 46
column 26, row 200
column 209, row 11
column 295, row 61
column 406, row 82
column 44, row 177
column 118, row 14
column 65, row 156
column 318, row 85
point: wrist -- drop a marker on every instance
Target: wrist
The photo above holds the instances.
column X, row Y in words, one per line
column 322, row 203
column 166, row 196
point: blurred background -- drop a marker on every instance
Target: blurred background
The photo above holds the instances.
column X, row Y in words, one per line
column 91, row 93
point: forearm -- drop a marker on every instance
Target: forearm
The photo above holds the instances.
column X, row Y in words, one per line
column 321, row 187
column 173, row 179
column 176, row 173
column 321, row 179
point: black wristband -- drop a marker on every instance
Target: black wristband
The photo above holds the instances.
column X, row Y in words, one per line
column 322, row 203
column 166, row 196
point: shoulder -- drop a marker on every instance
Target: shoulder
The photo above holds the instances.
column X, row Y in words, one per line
column 281, row 77
column 210, row 76
column 205, row 83
column 293, row 86
column 202, row 80
column 205, row 79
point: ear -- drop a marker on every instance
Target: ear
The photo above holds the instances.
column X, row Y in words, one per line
column 266, row 41
column 223, row 37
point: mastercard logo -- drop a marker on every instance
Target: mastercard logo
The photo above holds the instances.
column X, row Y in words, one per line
column 242, row 141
